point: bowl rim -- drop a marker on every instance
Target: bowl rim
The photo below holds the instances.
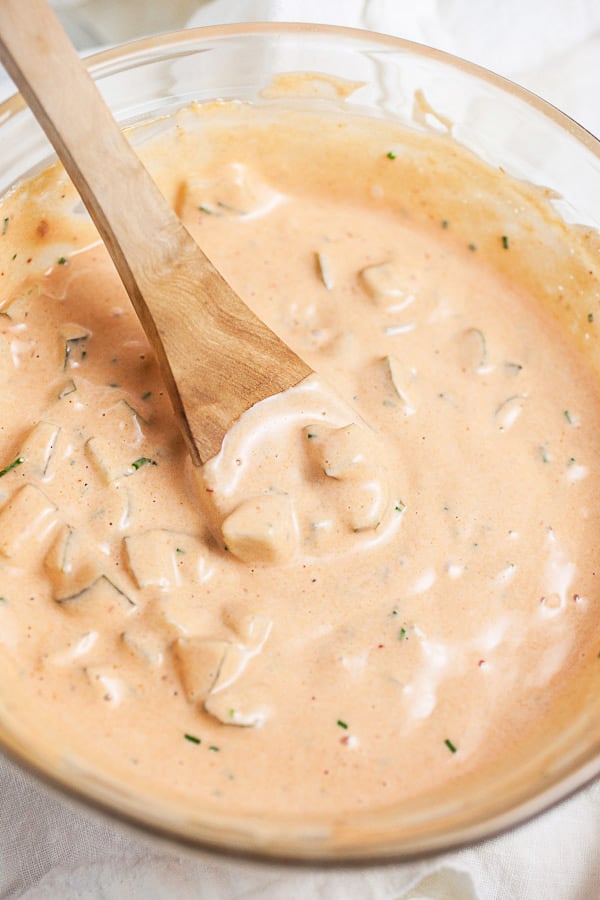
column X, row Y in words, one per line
column 123, row 56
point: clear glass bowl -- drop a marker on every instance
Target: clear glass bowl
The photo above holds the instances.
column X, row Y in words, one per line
column 506, row 126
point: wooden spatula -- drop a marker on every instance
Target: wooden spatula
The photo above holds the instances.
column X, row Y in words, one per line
column 217, row 358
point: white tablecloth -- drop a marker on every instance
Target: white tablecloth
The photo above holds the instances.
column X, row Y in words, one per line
column 50, row 850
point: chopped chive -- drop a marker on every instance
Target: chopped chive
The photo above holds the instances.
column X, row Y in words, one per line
column 16, row 462
column 402, row 634
column 450, row 745
column 14, row 256
column 399, row 506
column 544, row 454
column 213, row 748
column 342, row 724
column 62, row 260
column 590, row 317
column 5, row 222
column 206, row 209
column 472, row 247
column 142, row 461
column 310, row 436
column 568, row 416
column 395, row 612
column 505, row 241
column 192, row 739
column 391, row 155
column 179, row 550
column 231, row 713
column 445, row 223
column 3, row 600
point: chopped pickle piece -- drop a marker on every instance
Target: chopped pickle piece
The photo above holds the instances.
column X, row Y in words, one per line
column 185, row 612
column 232, row 665
column 370, row 502
column 198, row 663
column 74, row 339
column 166, row 559
column 342, row 453
column 26, row 519
column 18, row 308
column 399, row 378
column 144, row 644
column 69, row 387
column 233, row 191
column 38, row 448
column 120, row 457
column 127, row 421
column 151, row 557
column 110, row 459
column 262, row 530
column 252, row 630
column 384, row 284
column 70, row 565
column 472, row 350
column 99, row 599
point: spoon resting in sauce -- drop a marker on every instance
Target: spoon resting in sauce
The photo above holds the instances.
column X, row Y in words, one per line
column 217, row 358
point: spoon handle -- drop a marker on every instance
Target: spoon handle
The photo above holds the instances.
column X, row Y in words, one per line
column 217, row 358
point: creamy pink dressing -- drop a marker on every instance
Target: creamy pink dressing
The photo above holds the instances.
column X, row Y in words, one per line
column 359, row 599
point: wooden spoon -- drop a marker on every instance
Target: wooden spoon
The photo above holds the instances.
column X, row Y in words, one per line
column 217, row 358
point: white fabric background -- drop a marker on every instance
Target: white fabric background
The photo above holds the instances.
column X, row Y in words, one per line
column 50, row 851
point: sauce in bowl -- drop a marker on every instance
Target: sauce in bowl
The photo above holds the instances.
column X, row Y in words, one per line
column 359, row 601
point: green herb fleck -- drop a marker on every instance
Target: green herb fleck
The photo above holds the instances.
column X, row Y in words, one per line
column 5, row 222
column 146, row 396
column 399, row 506
column 568, row 416
column 62, row 260
column 402, row 634
column 311, row 436
column 395, row 612
column 192, row 739
column 590, row 317
column 179, row 550
column 231, row 713
column 13, row 257
column 505, row 241
column 206, row 209
column 214, row 749
column 13, row 465
column 391, row 155
column 445, row 223
column 450, row 745
column 3, row 600
column 472, row 247
column 342, row 724
column 544, row 454
column 142, row 461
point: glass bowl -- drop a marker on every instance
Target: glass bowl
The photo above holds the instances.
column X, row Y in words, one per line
column 505, row 126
